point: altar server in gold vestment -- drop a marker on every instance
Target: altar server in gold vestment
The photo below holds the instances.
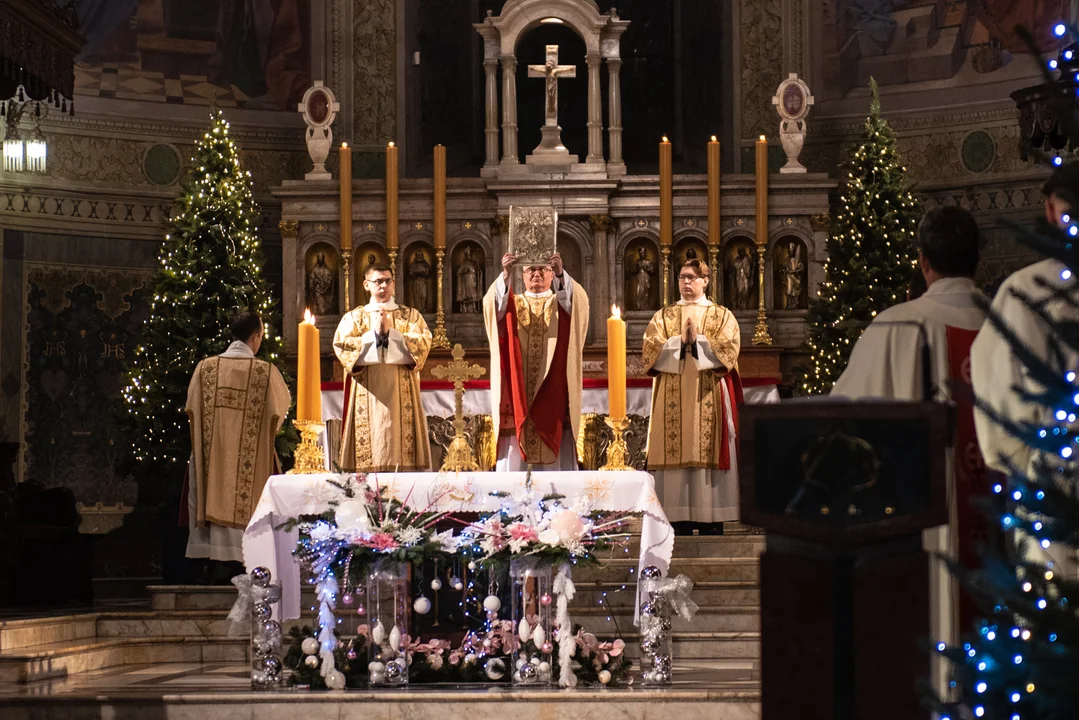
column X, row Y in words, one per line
column 236, row 403
column 691, row 350
column 383, row 347
column 536, row 341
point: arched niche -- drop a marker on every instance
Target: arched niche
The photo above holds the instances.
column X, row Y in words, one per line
column 366, row 253
column 687, row 247
column 322, row 295
column 570, row 251
column 418, row 281
column 790, row 273
column 642, row 265
column 467, row 274
column 520, row 16
column 740, row 274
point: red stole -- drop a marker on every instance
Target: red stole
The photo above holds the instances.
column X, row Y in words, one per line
column 734, row 389
column 972, row 483
column 549, row 408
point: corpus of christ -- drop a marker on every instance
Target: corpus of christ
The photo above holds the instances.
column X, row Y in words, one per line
column 404, row 358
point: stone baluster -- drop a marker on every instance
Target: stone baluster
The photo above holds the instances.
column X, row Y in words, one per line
column 595, row 110
column 614, row 110
column 509, row 110
column 490, row 69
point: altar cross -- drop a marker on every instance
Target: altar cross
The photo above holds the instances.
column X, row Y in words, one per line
column 458, row 456
column 552, row 72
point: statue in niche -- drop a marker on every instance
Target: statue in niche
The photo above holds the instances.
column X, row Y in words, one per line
column 643, row 269
column 320, row 287
column 791, row 271
column 468, row 284
column 741, row 280
column 419, row 276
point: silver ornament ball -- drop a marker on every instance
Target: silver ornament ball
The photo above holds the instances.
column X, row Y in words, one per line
column 529, row 673
column 394, row 673
column 311, row 661
column 495, row 669
column 436, row 584
column 262, row 611
column 651, row 573
column 271, row 666
column 260, row 577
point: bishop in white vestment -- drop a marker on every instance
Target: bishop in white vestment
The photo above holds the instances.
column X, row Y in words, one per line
column 383, row 347
column 536, row 341
column 236, row 403
column 691, row 348
column 887, row 362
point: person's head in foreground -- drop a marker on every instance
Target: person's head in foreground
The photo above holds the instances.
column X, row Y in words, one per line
column 246, row 327
column 1061, row 193
column 693, row 279
column 378, row 282
column 949, row 244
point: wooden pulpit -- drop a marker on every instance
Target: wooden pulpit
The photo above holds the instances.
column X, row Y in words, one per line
column 843, row 491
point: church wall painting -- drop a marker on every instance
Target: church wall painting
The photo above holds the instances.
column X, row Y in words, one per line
column 82, row 326
column 790, row 266
column 416, row 268
column 367, row 253
column 740, row 274
column 239, row 53
column 322, row 269
column 468, row 264
column 641, row 265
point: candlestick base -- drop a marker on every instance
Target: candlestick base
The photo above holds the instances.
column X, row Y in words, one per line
column 761, row 336
column 439, row 339
column 392, row 253
column 617, row 451
column 310, row 456
column 459, row 456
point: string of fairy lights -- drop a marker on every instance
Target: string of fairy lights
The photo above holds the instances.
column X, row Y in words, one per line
column 871, row 253
column 209, row 267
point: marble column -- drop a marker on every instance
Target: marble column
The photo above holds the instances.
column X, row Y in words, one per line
column 292, row 279
column 595, row 110
column 601, row 294
column 490, row 69
column 614, row 109
column 509, row 110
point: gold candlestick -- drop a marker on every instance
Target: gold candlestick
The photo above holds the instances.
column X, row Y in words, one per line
column 309, row 455
column 717, row 276
column 617, row 451
column 459, row 456
column 666, row 250
column 346, row 264
column 392, row 252
column 440, row 340
column 761, row 336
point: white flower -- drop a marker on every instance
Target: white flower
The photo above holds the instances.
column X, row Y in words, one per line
column 352, row 516
column 518, row 544
column 321, row 532
column 446, row 539
column 410, row 535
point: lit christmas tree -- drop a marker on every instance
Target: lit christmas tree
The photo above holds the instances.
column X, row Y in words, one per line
column 871, row 253
column 209, row 269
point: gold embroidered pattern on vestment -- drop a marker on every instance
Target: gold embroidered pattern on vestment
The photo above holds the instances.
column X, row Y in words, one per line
column 209, row 400
column 672, row 382
column 258, row 380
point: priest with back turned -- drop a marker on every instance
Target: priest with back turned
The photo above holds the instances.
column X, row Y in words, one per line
column 383, row 347
column 691, row 349
column 536, row 342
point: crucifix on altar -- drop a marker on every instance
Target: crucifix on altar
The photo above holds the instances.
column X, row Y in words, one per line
column 459, row 457
column 551, row 150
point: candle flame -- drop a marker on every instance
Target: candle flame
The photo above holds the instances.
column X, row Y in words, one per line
column 616, row 313
column 344, row 145
column 665, row 139
column 763, row 139
column 308, row 317
column 714, row 138
column 391, row 142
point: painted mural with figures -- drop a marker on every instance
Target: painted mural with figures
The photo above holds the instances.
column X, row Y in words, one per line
column 82, row 327
column 235, row 53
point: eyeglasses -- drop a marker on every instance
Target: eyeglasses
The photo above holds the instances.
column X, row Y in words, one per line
column 542, row 270
column 689, row 278
column 381, row 281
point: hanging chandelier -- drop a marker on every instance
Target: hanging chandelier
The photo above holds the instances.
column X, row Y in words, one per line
column 25, row 148
column 1048, row 111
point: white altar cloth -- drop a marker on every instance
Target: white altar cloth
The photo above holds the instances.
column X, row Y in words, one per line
column 287, row 496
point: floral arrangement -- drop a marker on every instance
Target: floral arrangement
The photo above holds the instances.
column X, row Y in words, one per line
column 545, row 530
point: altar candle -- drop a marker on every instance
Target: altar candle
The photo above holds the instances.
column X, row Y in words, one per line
column 713, row 192
column 440, row 197
column 616, row 365
column 391, row 196
column 762, row 190
column 308, row 372
column 666, row 194
column 346, row 196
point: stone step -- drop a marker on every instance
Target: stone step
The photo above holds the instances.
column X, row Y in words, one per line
column 709, row 618
column 187, row 623
column 54, row 660
column 704, row 593
column 744, row 569
column 27, row 632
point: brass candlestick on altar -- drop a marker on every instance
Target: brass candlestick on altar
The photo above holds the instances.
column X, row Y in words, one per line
column 346, row 264
column 617, row 451
column 440, row 340
column 309, row 455
column 666, row 250
column 761, row 336
column 392, row 253
column 459, row 456
column 717, row 276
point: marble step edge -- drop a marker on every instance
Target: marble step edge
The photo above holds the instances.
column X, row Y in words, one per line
column 59, row 649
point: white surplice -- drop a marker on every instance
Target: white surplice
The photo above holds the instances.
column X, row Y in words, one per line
column 887, row 363
column 997, row 374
